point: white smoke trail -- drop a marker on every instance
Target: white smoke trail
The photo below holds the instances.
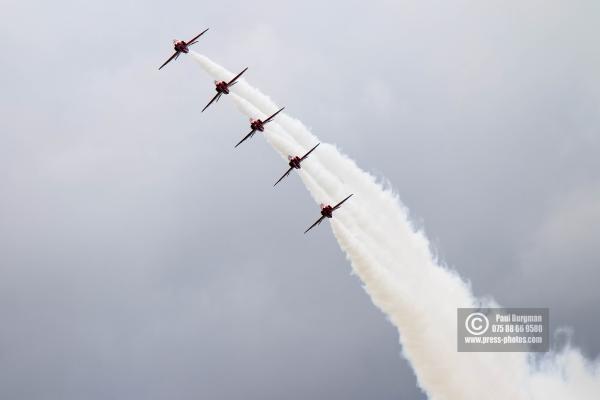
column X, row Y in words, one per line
column 405, row 281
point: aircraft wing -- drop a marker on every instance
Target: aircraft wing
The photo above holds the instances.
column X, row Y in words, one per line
column 284, row 175
column 213, row 99
column 273, row 116
column 315, row 224
column 338, row 205
column 310, row 151
column 191, row 42
column 231, row 82
column 246, row 137
column 169, row 60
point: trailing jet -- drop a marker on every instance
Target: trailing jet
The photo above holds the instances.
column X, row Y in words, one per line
column 327, row 212
column 222, row 87
column 295, row 163
column 181, row 46
column 258, row 125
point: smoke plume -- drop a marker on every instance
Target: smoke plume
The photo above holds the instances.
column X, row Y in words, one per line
column 405, row 280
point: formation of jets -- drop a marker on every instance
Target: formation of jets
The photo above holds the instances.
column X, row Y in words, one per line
column 222, row 87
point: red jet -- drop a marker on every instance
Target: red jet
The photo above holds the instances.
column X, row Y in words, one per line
column 222, row 87
column 181, row 47
column 327, row 212
column 258, row 125
column 295, row 163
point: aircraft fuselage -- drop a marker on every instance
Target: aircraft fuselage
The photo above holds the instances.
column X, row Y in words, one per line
column 295, row 162
column 222, row 87
column 180, row 46
column 327, row 211
column 257, row 125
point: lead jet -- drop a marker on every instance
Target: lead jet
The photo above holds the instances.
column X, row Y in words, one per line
column 295, row 163
column 327, row 212
column 222, row 87
column 181, row 46
column 258, row 125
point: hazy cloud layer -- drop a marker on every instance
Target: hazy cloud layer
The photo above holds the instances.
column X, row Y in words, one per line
column 141, row 256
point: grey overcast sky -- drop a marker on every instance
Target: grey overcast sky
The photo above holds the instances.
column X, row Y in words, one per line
column 142, row 257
